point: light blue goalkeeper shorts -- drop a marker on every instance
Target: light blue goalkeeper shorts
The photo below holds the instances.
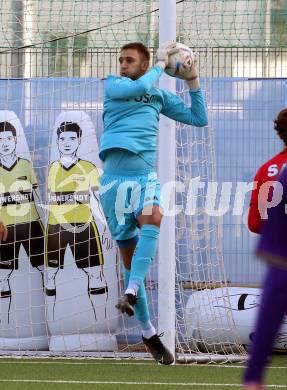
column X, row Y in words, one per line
column 123, row 198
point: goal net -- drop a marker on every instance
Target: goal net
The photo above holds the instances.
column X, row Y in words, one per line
column 60, row 273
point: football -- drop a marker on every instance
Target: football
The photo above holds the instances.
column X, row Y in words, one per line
column 180, row 63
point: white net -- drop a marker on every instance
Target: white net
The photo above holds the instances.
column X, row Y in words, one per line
column 52, row 56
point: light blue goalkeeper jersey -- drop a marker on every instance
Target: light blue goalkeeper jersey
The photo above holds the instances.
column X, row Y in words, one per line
column 132, row 109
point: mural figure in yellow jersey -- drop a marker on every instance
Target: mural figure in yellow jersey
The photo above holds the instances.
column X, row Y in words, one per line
column 18, row 192
column 72, row 184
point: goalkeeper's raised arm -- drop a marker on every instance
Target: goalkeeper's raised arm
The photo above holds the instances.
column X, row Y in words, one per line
column 138, row 81
column 132, row 107
column 174, row 107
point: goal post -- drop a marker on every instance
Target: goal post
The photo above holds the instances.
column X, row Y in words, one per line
column 166, row 171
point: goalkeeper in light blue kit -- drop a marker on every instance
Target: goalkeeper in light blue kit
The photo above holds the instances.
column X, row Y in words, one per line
column 129, row 189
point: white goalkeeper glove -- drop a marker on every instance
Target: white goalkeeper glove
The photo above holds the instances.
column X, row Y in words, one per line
column 191, row 75
column 163, row 52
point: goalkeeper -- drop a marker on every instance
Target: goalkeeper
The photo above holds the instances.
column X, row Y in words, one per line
column 130, row 191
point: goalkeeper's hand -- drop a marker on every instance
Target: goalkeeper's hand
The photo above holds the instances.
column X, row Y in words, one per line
column 163, row 53
column 191, row 75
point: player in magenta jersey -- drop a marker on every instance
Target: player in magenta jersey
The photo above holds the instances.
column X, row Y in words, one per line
column 272, row 248
column 265, row 178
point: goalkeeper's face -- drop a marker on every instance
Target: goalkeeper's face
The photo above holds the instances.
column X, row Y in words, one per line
column 132, row 64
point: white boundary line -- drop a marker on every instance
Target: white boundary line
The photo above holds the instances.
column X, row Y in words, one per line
column 131, row 383
column 114, row 362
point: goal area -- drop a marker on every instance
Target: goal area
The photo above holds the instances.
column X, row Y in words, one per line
column 204, row 285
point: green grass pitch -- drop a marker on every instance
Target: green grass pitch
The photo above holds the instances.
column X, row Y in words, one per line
column 65, row 374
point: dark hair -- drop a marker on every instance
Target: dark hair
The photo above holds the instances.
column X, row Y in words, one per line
column 140, row 47
column 280, row 125
column 69, row 126
column 6, row 126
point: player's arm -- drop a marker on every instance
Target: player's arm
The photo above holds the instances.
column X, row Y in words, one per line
column 126, row 88
column 3, row 231
column 98, row 212
column 36, row 195
column 94, row 191
column 260, row 198
column 40, row 207
column 175, row 108
column 51, row 180
column 254, row 218
column 96, row 196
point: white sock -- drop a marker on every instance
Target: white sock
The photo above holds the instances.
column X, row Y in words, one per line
column 148, row 329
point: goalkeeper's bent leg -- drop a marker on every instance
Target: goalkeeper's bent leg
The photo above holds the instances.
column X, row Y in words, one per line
column 144, row 253
column 141, row 309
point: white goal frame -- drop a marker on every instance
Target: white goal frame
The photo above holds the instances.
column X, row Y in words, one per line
column 166, row 170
